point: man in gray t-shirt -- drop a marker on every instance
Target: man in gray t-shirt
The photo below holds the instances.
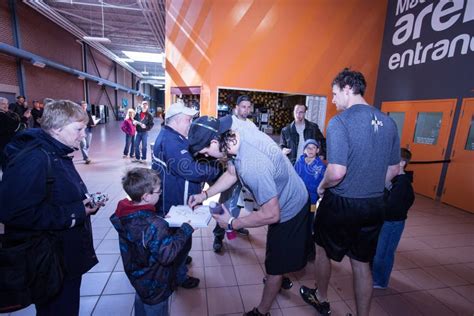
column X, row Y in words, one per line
column 284, row 205
column 363, row 151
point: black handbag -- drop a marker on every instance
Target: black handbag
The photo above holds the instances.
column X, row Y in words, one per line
column 31, row 271
column 31, row 267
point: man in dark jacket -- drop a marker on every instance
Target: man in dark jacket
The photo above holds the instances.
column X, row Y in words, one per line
column 181, row 175
column 21, row 109
column 144, row 123
column 297, row 132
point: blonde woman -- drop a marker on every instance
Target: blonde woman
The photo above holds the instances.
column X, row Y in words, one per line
column 128, row 127
column 43, row 191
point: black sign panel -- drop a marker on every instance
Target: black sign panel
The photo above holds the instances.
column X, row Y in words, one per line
column 427, row 51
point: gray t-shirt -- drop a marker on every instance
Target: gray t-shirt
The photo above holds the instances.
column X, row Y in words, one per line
column 238, row 124
column 365, row 140
column 267, row 173
column 300, row 131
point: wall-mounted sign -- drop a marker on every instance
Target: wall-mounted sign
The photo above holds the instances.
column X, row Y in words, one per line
column 428, row 50
column 124, row 102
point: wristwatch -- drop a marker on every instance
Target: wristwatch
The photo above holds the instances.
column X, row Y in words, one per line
column 229, row 223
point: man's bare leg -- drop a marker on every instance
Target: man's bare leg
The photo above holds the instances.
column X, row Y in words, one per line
column 322, row 273
column 362, row 278
column 270, row 291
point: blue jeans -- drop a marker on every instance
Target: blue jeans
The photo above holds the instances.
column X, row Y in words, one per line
column 389, row 238
column 160, row 309
column 142, row 137
column 129, row 145
column 86, row 143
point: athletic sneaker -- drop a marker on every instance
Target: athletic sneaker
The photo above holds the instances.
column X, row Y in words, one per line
column 189, row 259
column 286, row 283
column 255, row 312
column 217, row 246
column 309, row 296
column 190, row 283
column 376, row 286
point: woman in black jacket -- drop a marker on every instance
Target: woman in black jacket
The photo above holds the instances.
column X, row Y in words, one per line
column 30, row 205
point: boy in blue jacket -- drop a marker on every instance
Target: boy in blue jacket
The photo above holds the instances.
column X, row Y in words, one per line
column 398, row 199
column 311, row 169
column 151, row 251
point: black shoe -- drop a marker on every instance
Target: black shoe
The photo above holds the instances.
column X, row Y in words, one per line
column 190, row 283
column 286, row 283
column 243, row 232
column 309, row 296
column 217, row 246
column 255, row 312
column 189, row 259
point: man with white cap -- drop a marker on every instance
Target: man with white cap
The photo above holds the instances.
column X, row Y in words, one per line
column 181, row 176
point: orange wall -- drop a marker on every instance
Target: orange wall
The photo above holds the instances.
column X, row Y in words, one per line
column 295, row 46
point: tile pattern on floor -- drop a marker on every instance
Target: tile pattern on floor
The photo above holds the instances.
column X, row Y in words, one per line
column 433, row 272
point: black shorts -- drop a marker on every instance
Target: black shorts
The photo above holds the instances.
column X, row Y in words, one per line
column 289, row 243
column 348, row 226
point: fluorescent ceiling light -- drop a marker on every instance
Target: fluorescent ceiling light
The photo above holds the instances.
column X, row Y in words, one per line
column 126, row 60
column 38, row 63
column 145, row 57
column 97, row 39
column 144, row 72
column 157, row 77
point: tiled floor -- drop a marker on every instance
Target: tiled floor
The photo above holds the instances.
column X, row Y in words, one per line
column 433, row 275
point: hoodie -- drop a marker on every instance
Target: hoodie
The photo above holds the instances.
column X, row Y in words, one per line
column 399, row 198
column 151, row 251
column 311, row 174
column 25, row 209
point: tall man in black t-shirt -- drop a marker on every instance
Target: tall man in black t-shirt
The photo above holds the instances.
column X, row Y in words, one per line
column 363, row 154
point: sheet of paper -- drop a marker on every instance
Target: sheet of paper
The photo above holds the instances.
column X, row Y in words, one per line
column 198, row 218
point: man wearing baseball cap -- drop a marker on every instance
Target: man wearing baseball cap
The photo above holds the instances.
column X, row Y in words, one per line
column 181, row 176
column 257, row 161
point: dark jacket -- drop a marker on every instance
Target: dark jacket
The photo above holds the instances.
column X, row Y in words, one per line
column 290, row 138
column 90, row 122
column 10, row 124
column 18, row 109
column 147, row 120
column 181, row 176
column 36, row 114
column 24, row 208
column 399, row 198
column 149, row 249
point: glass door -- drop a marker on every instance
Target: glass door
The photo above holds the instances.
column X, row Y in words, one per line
column 459, row 185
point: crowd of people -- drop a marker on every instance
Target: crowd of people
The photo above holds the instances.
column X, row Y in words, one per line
column 321, row 198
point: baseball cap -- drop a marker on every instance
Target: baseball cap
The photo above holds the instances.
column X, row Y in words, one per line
column 311, row 141
column 205, row 129
column 180, row 108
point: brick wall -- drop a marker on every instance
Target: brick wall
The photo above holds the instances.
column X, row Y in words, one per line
column 40, row 36
column 6, row 35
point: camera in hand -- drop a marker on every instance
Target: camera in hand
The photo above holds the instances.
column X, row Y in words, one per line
column 96, row 198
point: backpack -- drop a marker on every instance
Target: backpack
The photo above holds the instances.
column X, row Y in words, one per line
column 31, row 268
